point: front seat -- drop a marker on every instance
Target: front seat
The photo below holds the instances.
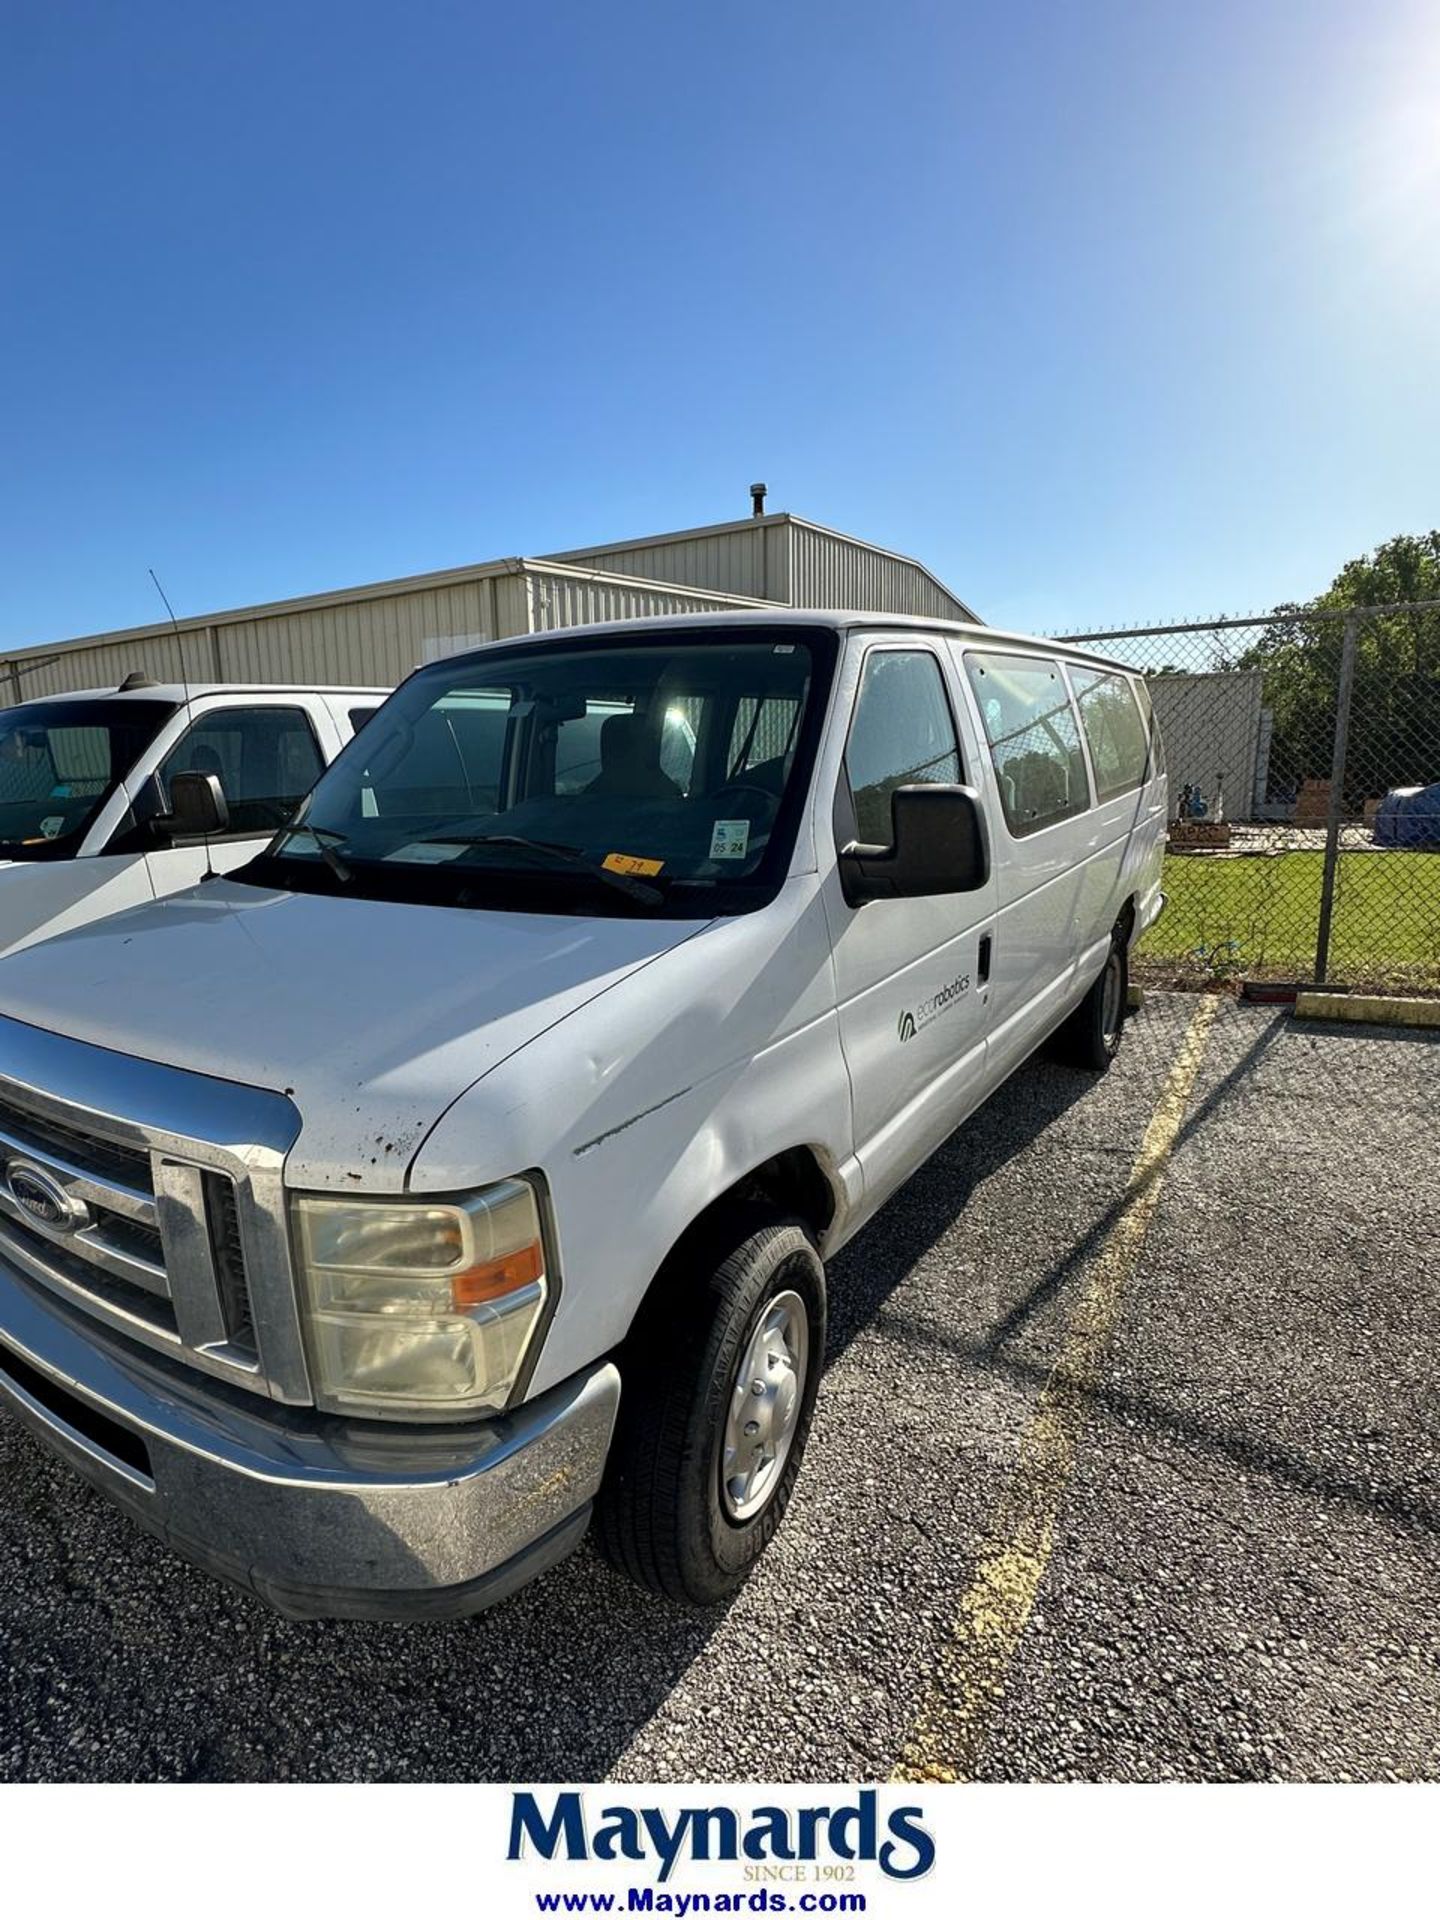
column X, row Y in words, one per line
column 630, row 761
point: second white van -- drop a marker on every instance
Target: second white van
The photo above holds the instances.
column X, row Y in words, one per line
column 86, row 822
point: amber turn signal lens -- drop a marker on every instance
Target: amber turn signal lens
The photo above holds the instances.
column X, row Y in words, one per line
column 496, row 1277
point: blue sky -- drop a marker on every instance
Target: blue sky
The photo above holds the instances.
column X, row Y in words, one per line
column 1106, row 311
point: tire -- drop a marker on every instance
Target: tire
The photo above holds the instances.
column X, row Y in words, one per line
column 1091, row 1036
column 667, row 1515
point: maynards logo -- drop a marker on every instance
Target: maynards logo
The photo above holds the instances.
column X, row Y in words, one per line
column 853, row 1828
column 912, row 1019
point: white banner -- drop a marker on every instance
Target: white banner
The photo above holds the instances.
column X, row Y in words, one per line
column 497, row 1852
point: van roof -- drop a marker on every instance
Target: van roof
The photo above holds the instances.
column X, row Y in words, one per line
column 847, row 620
column 173, row 690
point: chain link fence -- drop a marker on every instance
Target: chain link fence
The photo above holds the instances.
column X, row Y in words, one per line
column 1303, row 760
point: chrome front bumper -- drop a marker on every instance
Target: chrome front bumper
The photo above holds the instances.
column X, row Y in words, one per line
column 319, row 1516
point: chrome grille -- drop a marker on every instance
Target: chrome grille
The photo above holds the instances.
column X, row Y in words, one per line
column 159, row 1211
column 106, row 1159
column 122, row 1237
column 64, row 1267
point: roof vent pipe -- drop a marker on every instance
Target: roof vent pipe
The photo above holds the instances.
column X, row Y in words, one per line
column 757, row 498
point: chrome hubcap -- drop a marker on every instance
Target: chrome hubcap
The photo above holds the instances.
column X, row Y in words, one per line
column 765, row 1406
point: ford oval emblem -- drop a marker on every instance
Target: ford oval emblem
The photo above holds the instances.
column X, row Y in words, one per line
column 40, row 1196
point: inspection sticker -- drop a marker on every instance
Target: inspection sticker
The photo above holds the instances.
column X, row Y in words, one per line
column 729, row 839
column 631, row 863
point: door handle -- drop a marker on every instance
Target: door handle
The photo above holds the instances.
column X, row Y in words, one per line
column 983, row 965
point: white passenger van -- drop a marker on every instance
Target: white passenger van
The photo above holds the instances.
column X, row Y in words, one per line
column 86, row 825
column 470, row 1158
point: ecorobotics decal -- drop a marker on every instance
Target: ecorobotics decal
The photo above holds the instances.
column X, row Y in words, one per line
column 913, row 1019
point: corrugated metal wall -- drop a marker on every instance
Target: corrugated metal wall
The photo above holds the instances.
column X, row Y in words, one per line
column 375, row 642
column 106, row 663
column 782, row 558
column 373, row 636
column 829, row 570
column 572, row 599
column 360, row 641
column 748, row 557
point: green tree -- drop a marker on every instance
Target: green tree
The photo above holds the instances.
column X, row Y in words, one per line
column 1395, row 711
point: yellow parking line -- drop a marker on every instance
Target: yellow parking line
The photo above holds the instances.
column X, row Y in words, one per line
column 948, row 1739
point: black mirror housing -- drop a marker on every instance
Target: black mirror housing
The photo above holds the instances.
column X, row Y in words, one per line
column 197, row 806
column 939, row 844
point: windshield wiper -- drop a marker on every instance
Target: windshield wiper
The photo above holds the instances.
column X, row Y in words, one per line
column 327, row 840
column 637, row 890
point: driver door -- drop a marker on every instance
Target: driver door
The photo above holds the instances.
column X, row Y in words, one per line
column 910, row 974
column 267, row 757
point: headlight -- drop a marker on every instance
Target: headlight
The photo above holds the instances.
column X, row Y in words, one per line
column 419, row 1307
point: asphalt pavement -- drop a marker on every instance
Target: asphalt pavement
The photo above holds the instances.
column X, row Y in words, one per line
column 1238, row 1575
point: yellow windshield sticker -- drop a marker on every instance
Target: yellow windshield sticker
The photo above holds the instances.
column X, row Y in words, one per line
column 631, row 863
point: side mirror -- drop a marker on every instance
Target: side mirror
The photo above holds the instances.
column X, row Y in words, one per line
column 197, row 806
column 939, row 845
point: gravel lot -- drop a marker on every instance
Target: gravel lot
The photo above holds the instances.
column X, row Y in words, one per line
column 1245, row 1578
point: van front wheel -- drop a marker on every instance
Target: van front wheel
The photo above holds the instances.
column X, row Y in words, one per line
column 1091, row 1036
column 718, row 1390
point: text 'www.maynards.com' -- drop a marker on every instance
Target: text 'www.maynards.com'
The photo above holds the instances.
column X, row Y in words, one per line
column 680, row 1905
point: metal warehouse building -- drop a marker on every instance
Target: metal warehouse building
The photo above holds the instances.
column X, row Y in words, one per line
column 374, row 635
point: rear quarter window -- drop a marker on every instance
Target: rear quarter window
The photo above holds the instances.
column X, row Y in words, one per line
column 1152, row 725
column 1115, row 730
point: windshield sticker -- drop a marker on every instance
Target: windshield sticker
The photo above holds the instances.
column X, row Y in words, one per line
column 60, row 792
column 53, row 825
column 730, row 840
column 631, row 863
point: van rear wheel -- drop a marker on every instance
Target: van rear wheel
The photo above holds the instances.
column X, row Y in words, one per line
column 718, row 1390
column 1091, row 1036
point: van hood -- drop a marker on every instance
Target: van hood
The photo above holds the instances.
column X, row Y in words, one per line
column 373, row 1017
column 43, row 897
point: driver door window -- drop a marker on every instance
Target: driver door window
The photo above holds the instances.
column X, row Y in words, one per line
column 267, row 760
column 903, row 735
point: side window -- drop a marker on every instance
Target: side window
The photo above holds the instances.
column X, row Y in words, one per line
column 1034, row 740
column 762, row 736
column 361, row 717
column 1114, row 731
column 266, row 757
column 902, row 735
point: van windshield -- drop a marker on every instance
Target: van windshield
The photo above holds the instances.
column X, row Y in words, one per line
column 60, row 761
column 620, row 776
